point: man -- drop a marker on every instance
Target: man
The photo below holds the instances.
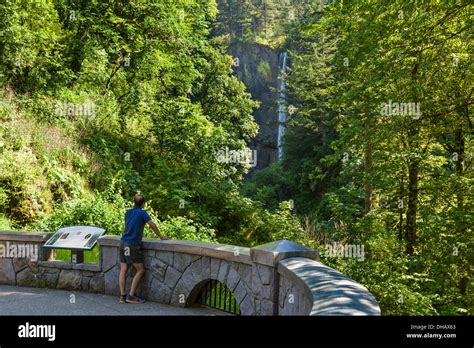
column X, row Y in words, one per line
column 130, row 248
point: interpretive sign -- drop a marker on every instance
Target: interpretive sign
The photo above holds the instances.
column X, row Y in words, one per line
column 75, row 237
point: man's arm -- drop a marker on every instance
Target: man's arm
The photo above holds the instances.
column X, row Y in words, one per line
column 156, row 230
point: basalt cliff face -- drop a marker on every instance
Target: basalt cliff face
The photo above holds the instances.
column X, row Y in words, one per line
column 257, row 66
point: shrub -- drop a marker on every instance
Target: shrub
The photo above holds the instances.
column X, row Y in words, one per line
column 103, row 211
column 179, row 227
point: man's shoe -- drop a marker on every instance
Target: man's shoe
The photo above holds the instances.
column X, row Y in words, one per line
column 123, row 299
column 134, row 299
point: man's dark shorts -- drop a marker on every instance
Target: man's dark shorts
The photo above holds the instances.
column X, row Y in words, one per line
column 130, row 253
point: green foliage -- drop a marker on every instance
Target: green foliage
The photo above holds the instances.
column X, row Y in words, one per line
column 270, row 186
column 5, row 224
column 89, row 256
column 399, row 184
column 265, row 22
column 384, row 267
column 284, row 224
column 184, row 229
column 130, row 93
column 253, row 225
column 103, row 100
column 265, row 69
column 31, row 41
column 99, row 210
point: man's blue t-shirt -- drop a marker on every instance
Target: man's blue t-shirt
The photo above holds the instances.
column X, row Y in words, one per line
column 135, row 220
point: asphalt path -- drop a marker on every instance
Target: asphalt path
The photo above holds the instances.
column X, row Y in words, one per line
column 15, row 300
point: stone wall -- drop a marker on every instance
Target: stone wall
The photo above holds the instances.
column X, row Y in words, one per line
column 43, row 273
column 278, row 278
column 308, row 287
column 177, row 270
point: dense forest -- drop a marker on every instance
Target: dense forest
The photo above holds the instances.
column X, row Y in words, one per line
column 101, row 100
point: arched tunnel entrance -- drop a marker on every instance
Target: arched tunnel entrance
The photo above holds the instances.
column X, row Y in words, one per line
column 214, row 294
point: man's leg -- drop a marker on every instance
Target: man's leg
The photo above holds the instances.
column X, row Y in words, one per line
column 140, row 271
column 123, row 278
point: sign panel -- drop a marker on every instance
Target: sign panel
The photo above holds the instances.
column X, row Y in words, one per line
column 75, row 237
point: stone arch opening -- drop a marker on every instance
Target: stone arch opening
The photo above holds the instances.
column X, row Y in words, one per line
column 214, row 294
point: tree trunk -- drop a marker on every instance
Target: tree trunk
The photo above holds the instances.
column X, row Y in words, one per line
column 323, row 128
column 413, row 168
column 412, row 205
column 367, row 185
column 400, row 214
column 460, row 150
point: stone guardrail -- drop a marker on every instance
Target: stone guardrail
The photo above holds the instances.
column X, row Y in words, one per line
column 321, row 290
column 278, row 278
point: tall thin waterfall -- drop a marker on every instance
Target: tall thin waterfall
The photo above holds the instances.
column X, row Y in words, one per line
column 282, row 104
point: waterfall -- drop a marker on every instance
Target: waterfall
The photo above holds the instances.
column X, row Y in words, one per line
column 282, row 104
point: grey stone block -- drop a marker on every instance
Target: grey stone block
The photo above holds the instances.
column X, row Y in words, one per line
column 48, row 277
column 158, row 269
column 147, row 262
column 265, row 274
column 182, row 261
column 97, row 284
column 259, row 290
column 26, row 278
column 34, row 267
column 240, row 292
column 19, row 264
column 206, row 267
column 108, row 258
column 285, row 290
column 148, row 255
column 159, row 292
column 7, row 272
column 215, row 265
column 165, row 256
column 266, row 307
column 197, row 270
column 70, row 280
column 233, row 278
column 223, row 271
column 247, row 306
column 264, row 292
column 85, row 283
column 172, row 276
column 245, row 272
column 189, row 280
column 111, row 281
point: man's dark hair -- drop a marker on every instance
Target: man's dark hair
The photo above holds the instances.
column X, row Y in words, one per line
column 139, row 200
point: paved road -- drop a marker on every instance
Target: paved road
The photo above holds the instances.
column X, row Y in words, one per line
column 15, row 300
